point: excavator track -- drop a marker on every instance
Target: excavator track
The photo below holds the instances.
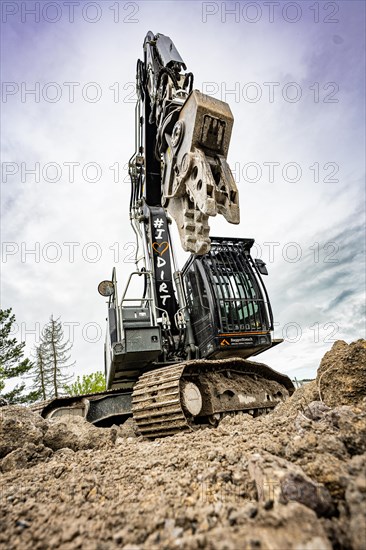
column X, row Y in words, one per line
column 156, row 402
column 186, row 396
column 199, row 393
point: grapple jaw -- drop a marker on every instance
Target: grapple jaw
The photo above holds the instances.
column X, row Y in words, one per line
column 197, row 180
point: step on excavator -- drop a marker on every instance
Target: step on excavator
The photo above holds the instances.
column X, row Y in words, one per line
column 176, row 356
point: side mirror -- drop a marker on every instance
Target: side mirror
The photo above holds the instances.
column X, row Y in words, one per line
column 261, row 266
column 106, row 288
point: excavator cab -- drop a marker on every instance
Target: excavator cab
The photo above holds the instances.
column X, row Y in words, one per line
column 133, row 338
column 227, row 300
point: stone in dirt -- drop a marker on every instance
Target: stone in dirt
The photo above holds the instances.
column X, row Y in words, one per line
column 77, row 434
column 279, row 481
column 19, row 426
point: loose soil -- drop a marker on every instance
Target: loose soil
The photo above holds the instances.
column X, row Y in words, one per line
column 294, row 479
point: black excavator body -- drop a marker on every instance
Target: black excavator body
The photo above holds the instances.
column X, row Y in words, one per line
column 176, row 355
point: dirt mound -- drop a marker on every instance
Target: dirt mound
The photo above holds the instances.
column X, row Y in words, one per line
column 294, row 479
column 342, row 374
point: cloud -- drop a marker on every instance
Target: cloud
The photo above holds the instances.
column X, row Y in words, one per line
column 321, row 208
column 340, row 298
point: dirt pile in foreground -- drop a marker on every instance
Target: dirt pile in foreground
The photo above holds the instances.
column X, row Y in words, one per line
column 294, row 479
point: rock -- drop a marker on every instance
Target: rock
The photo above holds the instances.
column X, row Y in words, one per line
column 315, row 410
column 279, row 482
column 296, row 486
column 329, row 471
column 26, row 457
column 15, row 460
column 18, row 426
column 315, row 442
column 350, row 424
column 23, row 524
column 356, row 501
column 77, row 434
column 127, row 429
column 291, row 527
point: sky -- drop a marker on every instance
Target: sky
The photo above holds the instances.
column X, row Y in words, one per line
column 293, row 75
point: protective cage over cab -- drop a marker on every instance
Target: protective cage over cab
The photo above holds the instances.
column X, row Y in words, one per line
column 228, row 302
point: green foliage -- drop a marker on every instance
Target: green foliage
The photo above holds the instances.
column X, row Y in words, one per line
column 12, row 364
column 89, row 383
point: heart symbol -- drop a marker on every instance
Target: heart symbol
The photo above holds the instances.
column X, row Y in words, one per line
column 156, row 246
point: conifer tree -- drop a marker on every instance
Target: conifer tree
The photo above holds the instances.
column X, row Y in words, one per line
column 40, row 374
column 12, row 363
column 56, row 356
column 40, row 382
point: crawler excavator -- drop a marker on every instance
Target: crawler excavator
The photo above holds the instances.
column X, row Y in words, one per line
column 176, row 357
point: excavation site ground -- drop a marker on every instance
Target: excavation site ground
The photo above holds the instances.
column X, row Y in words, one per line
column 292, row 479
